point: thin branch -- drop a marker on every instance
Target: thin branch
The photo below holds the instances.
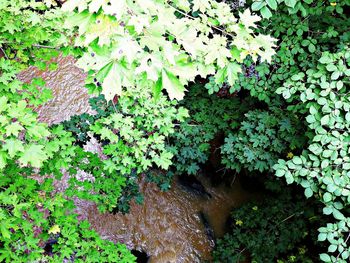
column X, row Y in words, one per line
column 191, row 17
column 346, row 240
column 3, row 51
column 43, row 46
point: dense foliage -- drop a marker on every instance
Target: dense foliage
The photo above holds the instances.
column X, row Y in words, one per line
column 263, row 108
column 274, row 229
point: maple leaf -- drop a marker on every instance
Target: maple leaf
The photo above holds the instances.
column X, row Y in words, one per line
column 103, row 28
column 13, row 146
column 55, row 229
column 34, row 155
column 115, row 8
column 3, row 157
column 248, row 20
column 217, row 50
column 151, row 65
column 95, row 5
column 70, row 5
column 172, row 85
column 127, row 47
column 112, row 83
column 3, row 103
column 13, row 128
column 201, row 5
column 139, row 22
column 232, row 72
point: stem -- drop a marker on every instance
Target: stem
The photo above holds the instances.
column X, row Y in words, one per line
column 3, row 51
column 43, row 46
column 346, row 240
column 189, row 16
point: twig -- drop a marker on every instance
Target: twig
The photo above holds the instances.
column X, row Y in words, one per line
column 3, row 51
column 346, row 240
column 189, row 16
column 43, row 46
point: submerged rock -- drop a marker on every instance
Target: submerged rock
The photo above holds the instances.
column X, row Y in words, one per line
column 192, row 184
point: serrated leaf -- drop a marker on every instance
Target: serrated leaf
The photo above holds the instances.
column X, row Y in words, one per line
column 33, row 155
column 13, row 146
column 172, row 85
column 232, row 72
column 112, row 83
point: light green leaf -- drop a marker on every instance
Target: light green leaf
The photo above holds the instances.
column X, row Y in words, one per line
column 272, row 4
column 290, row 3
column 258, row 5
column 232, row 72
column 13, row 146
column 324, row 257
column 173, row 85
column 112, row 84
column 34, row 155
column 327, row 197
column 308, row 192
column 3, row 157
column 265, row 12
column 13, row 129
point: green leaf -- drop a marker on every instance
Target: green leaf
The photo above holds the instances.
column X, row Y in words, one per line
column 325, row 120
column 232, row 72
column 172, row 85
column 322, row 236
column 332, row 248
column 112, row 83
column 266, row 13
column 256, row 6
column 13, row 146
column 13, row 129
column 280, row 173
column 272, row 4
column 290, row 3
column 308, row 192
column 3, row 158
column 327, row 197
column 312, row 48
column 331, row 67
column 297, row 160
column 34, row 155
column 324, row 257
column 157, row 88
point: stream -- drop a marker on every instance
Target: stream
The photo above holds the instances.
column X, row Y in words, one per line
column 169, row 226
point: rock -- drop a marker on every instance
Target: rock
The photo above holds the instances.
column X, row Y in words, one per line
column 191, row 184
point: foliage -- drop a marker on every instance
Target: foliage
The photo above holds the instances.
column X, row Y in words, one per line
column 310, row 70
column 159, row 45
column 268, row 230
column 262, row 137
column 322, row 168
column 209, row 115
column 37, row 225
column 136, row 132
column 79, row 125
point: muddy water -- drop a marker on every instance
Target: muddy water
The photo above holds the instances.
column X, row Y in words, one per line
column 167, row 226
column 67, row 84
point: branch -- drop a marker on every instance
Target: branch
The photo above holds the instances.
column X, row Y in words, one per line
column 3, row 51
column 346, row 240
column 191, row 17
column 43, row 46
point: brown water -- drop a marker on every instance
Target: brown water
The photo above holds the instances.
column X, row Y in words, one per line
column 67, row 84
column 167, row 226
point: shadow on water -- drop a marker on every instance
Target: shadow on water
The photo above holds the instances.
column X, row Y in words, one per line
column 141, row 256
